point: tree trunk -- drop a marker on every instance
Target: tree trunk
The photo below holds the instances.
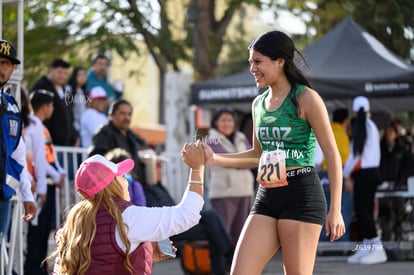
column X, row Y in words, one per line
column 161, row 97
column 202, row 35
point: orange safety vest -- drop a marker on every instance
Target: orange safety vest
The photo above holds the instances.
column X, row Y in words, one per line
column 49, row 149
column 29, row 159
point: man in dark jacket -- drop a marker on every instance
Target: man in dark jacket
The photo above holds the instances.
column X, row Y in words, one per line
column 60, row 125
column 117, row 134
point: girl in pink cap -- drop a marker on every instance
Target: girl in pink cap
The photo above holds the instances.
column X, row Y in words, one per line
column 105, row 234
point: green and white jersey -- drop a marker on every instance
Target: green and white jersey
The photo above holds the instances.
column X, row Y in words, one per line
column 283, row 129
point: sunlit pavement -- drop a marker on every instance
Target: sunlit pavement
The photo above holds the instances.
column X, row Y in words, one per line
column 324, row 265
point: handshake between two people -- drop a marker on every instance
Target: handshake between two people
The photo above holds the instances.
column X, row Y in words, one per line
column 196, row 155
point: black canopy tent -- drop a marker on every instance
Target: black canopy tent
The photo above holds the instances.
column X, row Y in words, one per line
column 236, row 88
column 344, row 63
column 347, row 62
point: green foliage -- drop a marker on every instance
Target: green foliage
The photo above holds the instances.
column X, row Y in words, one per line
column 40, row 49
column 76, row 30
column 65, row 26
column 236, row 59
column 390, row 21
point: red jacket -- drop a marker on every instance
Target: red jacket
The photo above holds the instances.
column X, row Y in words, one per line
column 107, row 256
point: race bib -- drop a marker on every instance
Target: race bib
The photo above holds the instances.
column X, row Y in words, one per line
column 272, row 169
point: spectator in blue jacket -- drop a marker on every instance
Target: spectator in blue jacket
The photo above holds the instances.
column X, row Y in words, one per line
column 14, row 177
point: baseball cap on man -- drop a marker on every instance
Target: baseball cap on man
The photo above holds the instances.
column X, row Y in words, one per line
column 97, row 92
column 7, row 50
column 360, row 102
column 96, row 173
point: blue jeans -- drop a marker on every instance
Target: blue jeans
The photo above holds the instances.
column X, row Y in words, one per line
column 5, row 215
column 347, row 208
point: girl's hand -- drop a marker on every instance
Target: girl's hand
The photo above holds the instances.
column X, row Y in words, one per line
column 193, row 155
column 209, row 155
column 29, row 211
column 349, row 185
column 157, row 256
column 335, row 227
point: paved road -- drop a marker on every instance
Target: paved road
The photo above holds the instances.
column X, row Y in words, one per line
column 324, row 265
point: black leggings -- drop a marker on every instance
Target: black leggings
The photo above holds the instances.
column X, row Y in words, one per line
column 366, row 182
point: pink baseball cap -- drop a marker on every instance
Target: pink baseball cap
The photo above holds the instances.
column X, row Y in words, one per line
column 96, row 172
column 97, row 92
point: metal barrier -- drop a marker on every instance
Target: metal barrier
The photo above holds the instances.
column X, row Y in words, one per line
column 409, row 193
column 13, row 256
column 69, row 158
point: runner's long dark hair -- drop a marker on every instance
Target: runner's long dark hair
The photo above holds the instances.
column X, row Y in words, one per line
column 276, row 44
column 359, row 132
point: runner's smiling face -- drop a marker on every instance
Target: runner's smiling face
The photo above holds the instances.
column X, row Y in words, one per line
column 266, row 71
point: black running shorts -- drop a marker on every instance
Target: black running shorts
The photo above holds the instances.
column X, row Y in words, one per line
column 302, row 199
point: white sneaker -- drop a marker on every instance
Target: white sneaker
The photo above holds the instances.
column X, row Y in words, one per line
column 374, row 257
column 354, row 259
column 361, row 250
